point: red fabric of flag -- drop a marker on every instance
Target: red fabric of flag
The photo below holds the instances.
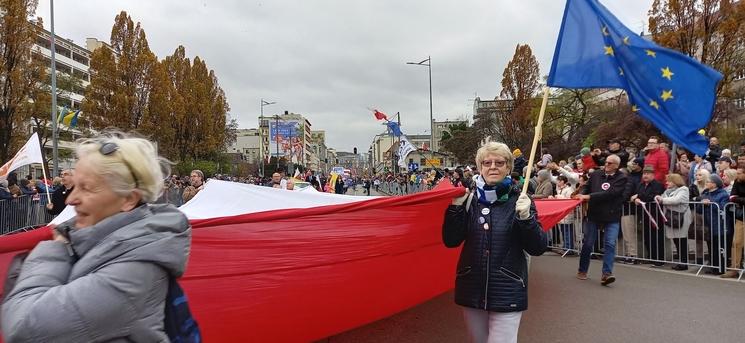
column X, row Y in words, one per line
column 380, row 115
column 319, row 271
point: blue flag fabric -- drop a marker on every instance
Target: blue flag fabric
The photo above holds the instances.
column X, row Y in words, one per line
column 673, row 91
column 394, row 128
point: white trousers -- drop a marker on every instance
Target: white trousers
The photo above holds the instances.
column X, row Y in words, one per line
column 492, row 327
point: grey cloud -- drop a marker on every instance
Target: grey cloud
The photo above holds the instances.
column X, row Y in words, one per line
column 332, row 59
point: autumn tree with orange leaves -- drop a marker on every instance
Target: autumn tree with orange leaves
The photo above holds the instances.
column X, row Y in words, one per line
column 175, row 102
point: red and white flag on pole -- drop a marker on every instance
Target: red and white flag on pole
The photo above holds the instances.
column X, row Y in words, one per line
column 380, row 115
column 29, row 153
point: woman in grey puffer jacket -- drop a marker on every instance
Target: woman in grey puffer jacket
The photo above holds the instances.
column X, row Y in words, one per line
column 104, row 276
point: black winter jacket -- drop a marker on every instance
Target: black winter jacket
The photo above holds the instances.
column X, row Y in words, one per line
column 646, row 192
column 633, row 179
column 606, row 196
column 492, row 272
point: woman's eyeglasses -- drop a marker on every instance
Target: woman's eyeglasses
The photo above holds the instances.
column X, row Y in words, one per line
column 495, row 163
column 109, row 148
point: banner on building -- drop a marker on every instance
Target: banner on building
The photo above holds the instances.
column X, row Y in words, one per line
column 286, row 140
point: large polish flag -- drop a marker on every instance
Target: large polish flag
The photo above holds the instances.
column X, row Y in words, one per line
column 271, row 265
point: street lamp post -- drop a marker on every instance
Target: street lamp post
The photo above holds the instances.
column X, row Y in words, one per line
column 262, row 104
column 428, row 64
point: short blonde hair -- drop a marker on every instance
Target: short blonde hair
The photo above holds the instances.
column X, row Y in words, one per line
column 132, row 165
column 676, row 179
column 731, row 175
column 499, row 149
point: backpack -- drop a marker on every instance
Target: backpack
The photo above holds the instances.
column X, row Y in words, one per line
column 179, row 324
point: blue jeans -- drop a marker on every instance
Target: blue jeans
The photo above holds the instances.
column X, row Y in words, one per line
column 609, row 253
column 567, row 230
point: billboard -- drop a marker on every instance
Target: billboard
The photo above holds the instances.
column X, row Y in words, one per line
column 286, row 140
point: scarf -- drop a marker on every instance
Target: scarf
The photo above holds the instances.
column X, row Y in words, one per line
column 491, row 194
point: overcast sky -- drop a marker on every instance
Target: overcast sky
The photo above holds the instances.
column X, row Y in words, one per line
column 331, row 60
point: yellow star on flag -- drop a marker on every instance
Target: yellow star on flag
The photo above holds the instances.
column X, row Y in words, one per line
column 651, row 53
column 654, row 104
column 605, row 31
column 620, row 71
column 634, row 108
column 667, row 73
column 626, row 40
column 608, row 50
column 666, row 95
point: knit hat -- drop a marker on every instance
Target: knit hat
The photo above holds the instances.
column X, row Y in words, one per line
column 648, row 169
column 516, row 152
column 716, row 180
column 585, row 151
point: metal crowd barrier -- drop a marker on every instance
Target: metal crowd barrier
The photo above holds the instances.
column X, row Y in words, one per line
column 29, row 211
column 23, row 213
column 173, row 196
column 706, row 236
column 396, row 188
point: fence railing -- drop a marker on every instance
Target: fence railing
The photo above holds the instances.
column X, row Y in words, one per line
column 702, row 237
column 23, row 212
column 396, row 188
column 29, row 211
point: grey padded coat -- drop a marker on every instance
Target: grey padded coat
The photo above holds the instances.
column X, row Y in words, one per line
column 114, row 292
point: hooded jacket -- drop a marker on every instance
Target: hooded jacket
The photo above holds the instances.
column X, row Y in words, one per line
column 114, row 291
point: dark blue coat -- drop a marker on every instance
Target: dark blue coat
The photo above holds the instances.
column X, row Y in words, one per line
column 492, row 271
column 713, row 214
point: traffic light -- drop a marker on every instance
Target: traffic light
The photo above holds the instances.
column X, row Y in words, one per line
column 355, row 150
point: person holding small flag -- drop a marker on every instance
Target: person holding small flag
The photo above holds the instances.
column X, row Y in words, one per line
column 497, row 226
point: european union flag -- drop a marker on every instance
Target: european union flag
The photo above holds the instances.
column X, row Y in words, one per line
column 673, row 91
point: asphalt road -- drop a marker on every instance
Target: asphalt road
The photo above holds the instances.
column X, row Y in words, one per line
column 644, row 305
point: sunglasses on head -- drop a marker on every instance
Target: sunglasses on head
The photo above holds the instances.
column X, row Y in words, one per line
column 108, row 148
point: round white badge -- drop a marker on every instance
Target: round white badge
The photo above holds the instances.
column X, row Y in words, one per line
column 485, row 211
column 486, row 226
column 605, row 186
column 482, row 220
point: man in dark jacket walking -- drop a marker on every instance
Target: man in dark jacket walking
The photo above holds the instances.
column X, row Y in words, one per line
column 604, row 194
column 650, row 219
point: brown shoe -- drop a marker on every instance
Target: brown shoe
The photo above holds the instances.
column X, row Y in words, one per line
column 582, row 276
column 729, row 274
column 607, row 279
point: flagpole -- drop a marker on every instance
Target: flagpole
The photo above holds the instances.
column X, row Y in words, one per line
column 44, row 173
column 536, row 135
column 55, row 134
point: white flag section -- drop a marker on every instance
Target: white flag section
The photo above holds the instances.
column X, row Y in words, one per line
column 223, row 198
column 29, row 153
column 404, row 148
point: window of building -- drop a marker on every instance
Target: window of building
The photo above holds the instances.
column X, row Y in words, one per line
column 62, row 50
column 740, row 75
column 80, row 58
column 740, row 103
